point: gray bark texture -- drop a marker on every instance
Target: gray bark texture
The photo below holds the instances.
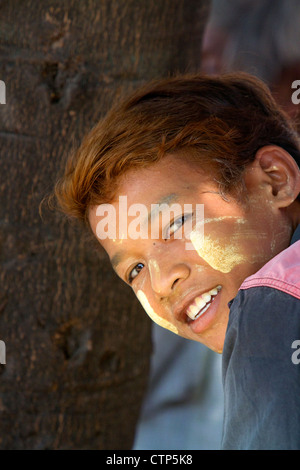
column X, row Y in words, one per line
column 77, row 341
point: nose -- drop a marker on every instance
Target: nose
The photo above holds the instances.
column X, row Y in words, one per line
column 165, row 275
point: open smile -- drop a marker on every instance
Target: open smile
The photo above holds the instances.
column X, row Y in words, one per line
column 199, row 312
column 202, row 303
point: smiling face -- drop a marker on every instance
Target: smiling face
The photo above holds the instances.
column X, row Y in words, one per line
column 188, row 290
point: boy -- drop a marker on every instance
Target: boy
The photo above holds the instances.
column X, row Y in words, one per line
column 220, row 143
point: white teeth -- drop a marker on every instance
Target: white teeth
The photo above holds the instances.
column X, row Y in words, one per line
column 206, row 297
column 200, row 302
column 204, row 310
column 213, row 291
column 193, row 310
column 190, row 313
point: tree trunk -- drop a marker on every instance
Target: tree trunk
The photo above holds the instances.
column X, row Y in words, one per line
column 77, row 341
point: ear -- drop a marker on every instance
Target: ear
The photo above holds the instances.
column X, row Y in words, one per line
column 277, row 173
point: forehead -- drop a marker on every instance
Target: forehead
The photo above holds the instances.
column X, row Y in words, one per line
column 172, row 179
column 171, row 175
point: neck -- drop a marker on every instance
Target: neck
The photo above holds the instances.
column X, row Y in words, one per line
column 294, row 213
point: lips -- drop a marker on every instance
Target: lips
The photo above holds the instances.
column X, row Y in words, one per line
column 201, row 303
column 197, row 305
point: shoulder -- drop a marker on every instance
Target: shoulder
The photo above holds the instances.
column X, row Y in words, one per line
column 261, row 371
column 266, row 311
column 263, row 321
column 260, row 378
column 281, row 272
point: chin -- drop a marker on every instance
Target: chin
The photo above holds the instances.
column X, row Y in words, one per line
column 216, row 348
column 215, row 345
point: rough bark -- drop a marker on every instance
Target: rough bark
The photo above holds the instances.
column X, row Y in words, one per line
column 77, row 341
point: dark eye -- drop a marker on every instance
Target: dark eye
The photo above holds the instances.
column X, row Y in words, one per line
column 134, row 272
column 174, row 226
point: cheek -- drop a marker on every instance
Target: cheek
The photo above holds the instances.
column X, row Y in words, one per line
column 223, row 252
column 224, row 242
column 153, row 315
column 221, row 255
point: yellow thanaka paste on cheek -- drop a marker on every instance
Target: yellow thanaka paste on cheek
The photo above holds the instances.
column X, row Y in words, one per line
column 156, row 318
column 222, row 258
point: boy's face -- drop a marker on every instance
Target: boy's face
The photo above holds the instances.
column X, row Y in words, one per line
column 197, row 274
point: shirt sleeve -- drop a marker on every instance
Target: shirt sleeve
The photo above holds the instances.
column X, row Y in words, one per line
column 261, row 371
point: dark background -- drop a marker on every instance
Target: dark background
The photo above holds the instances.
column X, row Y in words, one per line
column 77, row 341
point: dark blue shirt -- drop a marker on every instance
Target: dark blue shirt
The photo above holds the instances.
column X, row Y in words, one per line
column 261, row 370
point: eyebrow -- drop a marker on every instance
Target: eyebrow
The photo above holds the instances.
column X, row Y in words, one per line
column 164, row 200
column 117, row 258
column 120, row 255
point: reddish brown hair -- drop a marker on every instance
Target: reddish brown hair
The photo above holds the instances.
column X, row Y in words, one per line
column 221, row 120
